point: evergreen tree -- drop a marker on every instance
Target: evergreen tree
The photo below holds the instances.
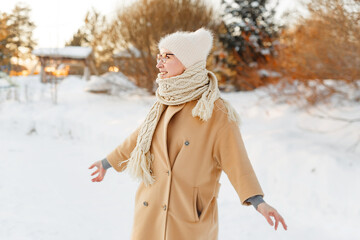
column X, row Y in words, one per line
column 5, row 53
column 79, row 39
column 248, row 29
column 95, row 34
column 20, row 41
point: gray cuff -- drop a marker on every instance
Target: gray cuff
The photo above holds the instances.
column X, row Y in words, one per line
column 105, row 164
column 255, row 200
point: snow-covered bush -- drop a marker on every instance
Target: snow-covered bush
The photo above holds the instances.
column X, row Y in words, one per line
column 113, row 83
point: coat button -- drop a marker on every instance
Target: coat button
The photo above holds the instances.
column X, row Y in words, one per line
column 145, row 204
column 164, row 207
column 168, row 172
column 187, row 143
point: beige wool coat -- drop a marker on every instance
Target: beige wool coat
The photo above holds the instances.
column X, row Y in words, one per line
column 189, row 157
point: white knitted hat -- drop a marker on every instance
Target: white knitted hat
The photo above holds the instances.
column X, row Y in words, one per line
column 188, row 47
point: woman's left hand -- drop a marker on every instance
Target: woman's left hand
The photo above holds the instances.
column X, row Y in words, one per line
column 266, row 210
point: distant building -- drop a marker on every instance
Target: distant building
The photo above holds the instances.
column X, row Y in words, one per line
column 126, row 61
column 14, row 70
column 121, row 59
column 60, row 62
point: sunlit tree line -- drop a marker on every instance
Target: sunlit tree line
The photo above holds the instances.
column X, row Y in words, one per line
column 16, row 40
column 250, row 49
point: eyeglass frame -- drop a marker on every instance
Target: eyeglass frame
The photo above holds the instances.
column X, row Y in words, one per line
column 163, row 57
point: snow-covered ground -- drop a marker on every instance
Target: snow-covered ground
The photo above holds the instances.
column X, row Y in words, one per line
column 308, row 166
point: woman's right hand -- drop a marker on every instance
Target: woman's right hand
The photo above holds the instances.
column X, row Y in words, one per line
column 99, row 170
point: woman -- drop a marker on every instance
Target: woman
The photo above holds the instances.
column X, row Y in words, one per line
column 187, row 139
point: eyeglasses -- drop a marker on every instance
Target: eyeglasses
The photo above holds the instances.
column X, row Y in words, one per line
column 162, row 57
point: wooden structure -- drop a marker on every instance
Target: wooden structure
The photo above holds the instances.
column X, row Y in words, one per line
column 122, row 58
column 66, row 55
column 127, row 61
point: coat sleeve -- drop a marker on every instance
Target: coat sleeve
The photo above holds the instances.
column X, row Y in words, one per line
column 231, row 155
column 122, row 152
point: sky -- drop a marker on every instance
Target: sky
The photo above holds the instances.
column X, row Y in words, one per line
column 57, row 20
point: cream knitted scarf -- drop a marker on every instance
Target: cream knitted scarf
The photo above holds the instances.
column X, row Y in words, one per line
column 194, row 83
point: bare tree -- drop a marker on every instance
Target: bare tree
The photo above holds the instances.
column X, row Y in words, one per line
column 138, row 28
column 324, row 45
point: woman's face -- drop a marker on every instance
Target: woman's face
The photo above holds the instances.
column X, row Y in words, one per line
column 172, row 66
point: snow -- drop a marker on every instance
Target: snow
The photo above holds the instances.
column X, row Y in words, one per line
column 307, row 166
column 265, row 51
column 5, row 80
column 4, row 83
column 65, row 52
column 114, row 83
column 97, row 84
column 267, row 73
column 254, row 4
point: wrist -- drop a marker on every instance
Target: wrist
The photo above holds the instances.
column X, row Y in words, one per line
column 105, row 164
column 255, row 201
column 260, row 206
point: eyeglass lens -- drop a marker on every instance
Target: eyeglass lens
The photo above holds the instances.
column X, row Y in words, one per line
column 162, row 57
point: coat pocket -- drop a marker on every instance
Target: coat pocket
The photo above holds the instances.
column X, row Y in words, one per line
column 197, row 204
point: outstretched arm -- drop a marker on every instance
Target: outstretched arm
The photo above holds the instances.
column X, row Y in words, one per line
column 232, row 157
column 115, row 158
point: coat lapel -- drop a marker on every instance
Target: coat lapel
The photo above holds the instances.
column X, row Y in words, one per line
column 169, row 113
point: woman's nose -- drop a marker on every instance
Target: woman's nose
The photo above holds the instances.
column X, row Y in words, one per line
column 159, row 64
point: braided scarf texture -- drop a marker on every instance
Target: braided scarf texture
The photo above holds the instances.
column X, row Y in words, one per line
column 194, row 83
